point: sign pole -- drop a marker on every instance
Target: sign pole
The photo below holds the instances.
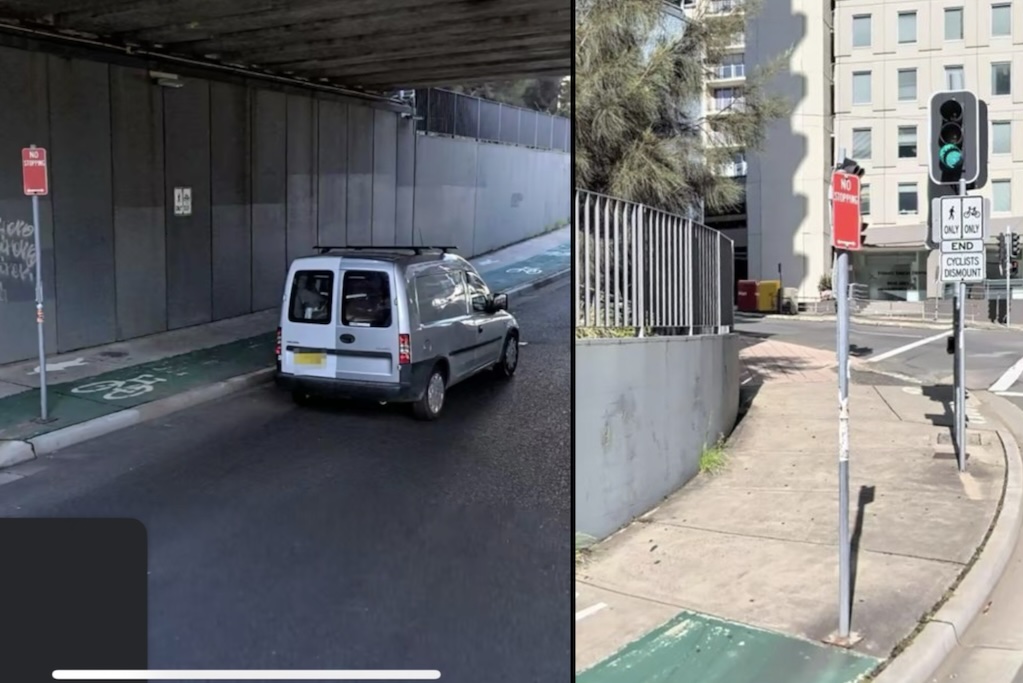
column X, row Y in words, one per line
column 845, row 229
column 960, row 360
column 36, row 182
column 1008, row 276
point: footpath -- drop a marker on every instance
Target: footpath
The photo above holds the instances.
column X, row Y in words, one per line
column 94, row 391
column 734, row 578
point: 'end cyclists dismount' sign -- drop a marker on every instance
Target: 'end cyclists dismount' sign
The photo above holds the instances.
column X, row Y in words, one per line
column 959, row 227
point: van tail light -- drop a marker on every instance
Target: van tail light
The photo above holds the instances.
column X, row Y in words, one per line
column 404, row 349
column 277, row 349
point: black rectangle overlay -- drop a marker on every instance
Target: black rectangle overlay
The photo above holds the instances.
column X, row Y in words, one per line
column 74, row 596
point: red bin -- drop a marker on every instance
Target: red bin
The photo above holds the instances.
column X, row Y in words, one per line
column 747, row 296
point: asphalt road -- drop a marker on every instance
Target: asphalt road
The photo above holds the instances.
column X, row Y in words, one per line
column 341, row 537
column 990, row 353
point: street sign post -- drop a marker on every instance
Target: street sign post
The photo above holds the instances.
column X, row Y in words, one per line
column 36, row 183
column 959, row 225
column 846, row 236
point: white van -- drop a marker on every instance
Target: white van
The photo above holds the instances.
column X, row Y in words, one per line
column 390, row 324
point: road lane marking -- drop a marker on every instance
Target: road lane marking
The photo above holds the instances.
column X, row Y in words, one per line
column 908, row 347
column 1009, row 377
column 1010, row 394
column 589, row 611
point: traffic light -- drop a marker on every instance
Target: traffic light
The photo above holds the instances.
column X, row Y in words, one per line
column 1000, row 238
column 1014, row 269
column 1016, row 249
column 954, row 137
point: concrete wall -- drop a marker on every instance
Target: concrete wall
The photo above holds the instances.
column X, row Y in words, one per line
column 481, row 196
column 643, row 420
column 272, row 172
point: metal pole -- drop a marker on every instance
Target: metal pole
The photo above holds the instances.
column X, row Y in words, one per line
column 43, row 413
column 1008, row 276
column 844, row 554
column 960, row 361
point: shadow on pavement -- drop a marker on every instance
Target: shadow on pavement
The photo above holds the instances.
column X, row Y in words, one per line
column 866, row 497
column 943, row 394
column 857, row 351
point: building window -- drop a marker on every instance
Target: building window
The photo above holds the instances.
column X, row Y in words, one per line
column 1001, row 19
column 953, row 23
column 907, row 84
column 865, row 199
column 861, row 87
column 727, row 98
column 732, row 66
column 1001, row 196
column 907, row 27
column 861, row 143
column 908, row 201
column 1001, row 137
column 907, row 142
column 954, row 78
column 861, row 30
column 1001, row 78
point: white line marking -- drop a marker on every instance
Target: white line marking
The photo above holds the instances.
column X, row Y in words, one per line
column 1009, row 377
column 243, row 675
column 589, row 611
column 747, row 380
column 908, row 347
column 1011, row 394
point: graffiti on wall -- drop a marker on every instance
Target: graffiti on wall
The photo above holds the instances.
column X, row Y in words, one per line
column 17, row 261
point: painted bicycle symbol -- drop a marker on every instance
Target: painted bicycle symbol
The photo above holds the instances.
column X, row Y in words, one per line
column 527, row 270
column 971, row 212
column 117, row 389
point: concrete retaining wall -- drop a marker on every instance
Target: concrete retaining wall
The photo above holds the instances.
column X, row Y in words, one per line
column 644, row 410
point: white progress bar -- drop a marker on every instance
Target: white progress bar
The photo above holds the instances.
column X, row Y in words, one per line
column 243, row 675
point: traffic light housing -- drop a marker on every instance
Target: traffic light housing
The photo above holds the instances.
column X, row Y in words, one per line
column 1016, row 249
column 954, row 145
column 1002, row 246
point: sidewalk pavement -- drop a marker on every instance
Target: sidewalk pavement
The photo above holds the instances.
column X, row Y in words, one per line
column 734, row 578
column 94, row 391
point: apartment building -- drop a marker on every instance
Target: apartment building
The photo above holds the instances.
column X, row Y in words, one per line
column 859, row 75
column 889, row 58
column 782, row 229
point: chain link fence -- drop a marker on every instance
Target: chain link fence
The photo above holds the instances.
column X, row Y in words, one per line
column 443, row 112
column 641, row 268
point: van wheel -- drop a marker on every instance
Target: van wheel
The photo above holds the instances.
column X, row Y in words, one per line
column 509, row 362
column 430, row 405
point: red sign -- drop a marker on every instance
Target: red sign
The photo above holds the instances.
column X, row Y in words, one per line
column 33, row 171
column 845, row 211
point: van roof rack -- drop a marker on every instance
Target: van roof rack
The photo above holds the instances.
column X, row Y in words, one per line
column 418, row 249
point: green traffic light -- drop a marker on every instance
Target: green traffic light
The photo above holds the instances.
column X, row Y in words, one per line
column 951, row 157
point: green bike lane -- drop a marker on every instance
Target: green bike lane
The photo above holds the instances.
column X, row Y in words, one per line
column 74, row 402
column 696, row 648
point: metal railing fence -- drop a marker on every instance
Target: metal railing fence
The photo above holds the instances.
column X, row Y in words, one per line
column 443, row 112
column 646, row 269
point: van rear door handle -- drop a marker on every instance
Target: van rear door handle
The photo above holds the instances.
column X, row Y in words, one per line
column 347, row 338
column 480, row 329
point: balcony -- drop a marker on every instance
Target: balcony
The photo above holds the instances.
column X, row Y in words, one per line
column 720, row 105
column 724, row 6
column 736, row 169
column 728, row 72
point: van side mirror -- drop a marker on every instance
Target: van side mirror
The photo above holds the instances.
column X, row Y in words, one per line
column 500, row 302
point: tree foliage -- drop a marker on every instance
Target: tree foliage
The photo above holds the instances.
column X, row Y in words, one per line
column 639, row 80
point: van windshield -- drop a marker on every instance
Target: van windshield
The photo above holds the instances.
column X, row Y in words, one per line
column 366, row 299
column 312, row 293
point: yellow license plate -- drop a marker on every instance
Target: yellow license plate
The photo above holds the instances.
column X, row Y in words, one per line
column 310, row 358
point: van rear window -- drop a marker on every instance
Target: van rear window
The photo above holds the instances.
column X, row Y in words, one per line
column 312, row 295
column 366, row 299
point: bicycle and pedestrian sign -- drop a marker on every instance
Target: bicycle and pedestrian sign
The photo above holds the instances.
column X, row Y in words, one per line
column 958, row 227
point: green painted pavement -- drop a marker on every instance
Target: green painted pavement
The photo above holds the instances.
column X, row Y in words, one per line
column 507, row 275
column 693, row 648
column 71, row 403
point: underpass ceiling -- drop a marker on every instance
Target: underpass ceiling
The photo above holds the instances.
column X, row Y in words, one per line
column 377, row 45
